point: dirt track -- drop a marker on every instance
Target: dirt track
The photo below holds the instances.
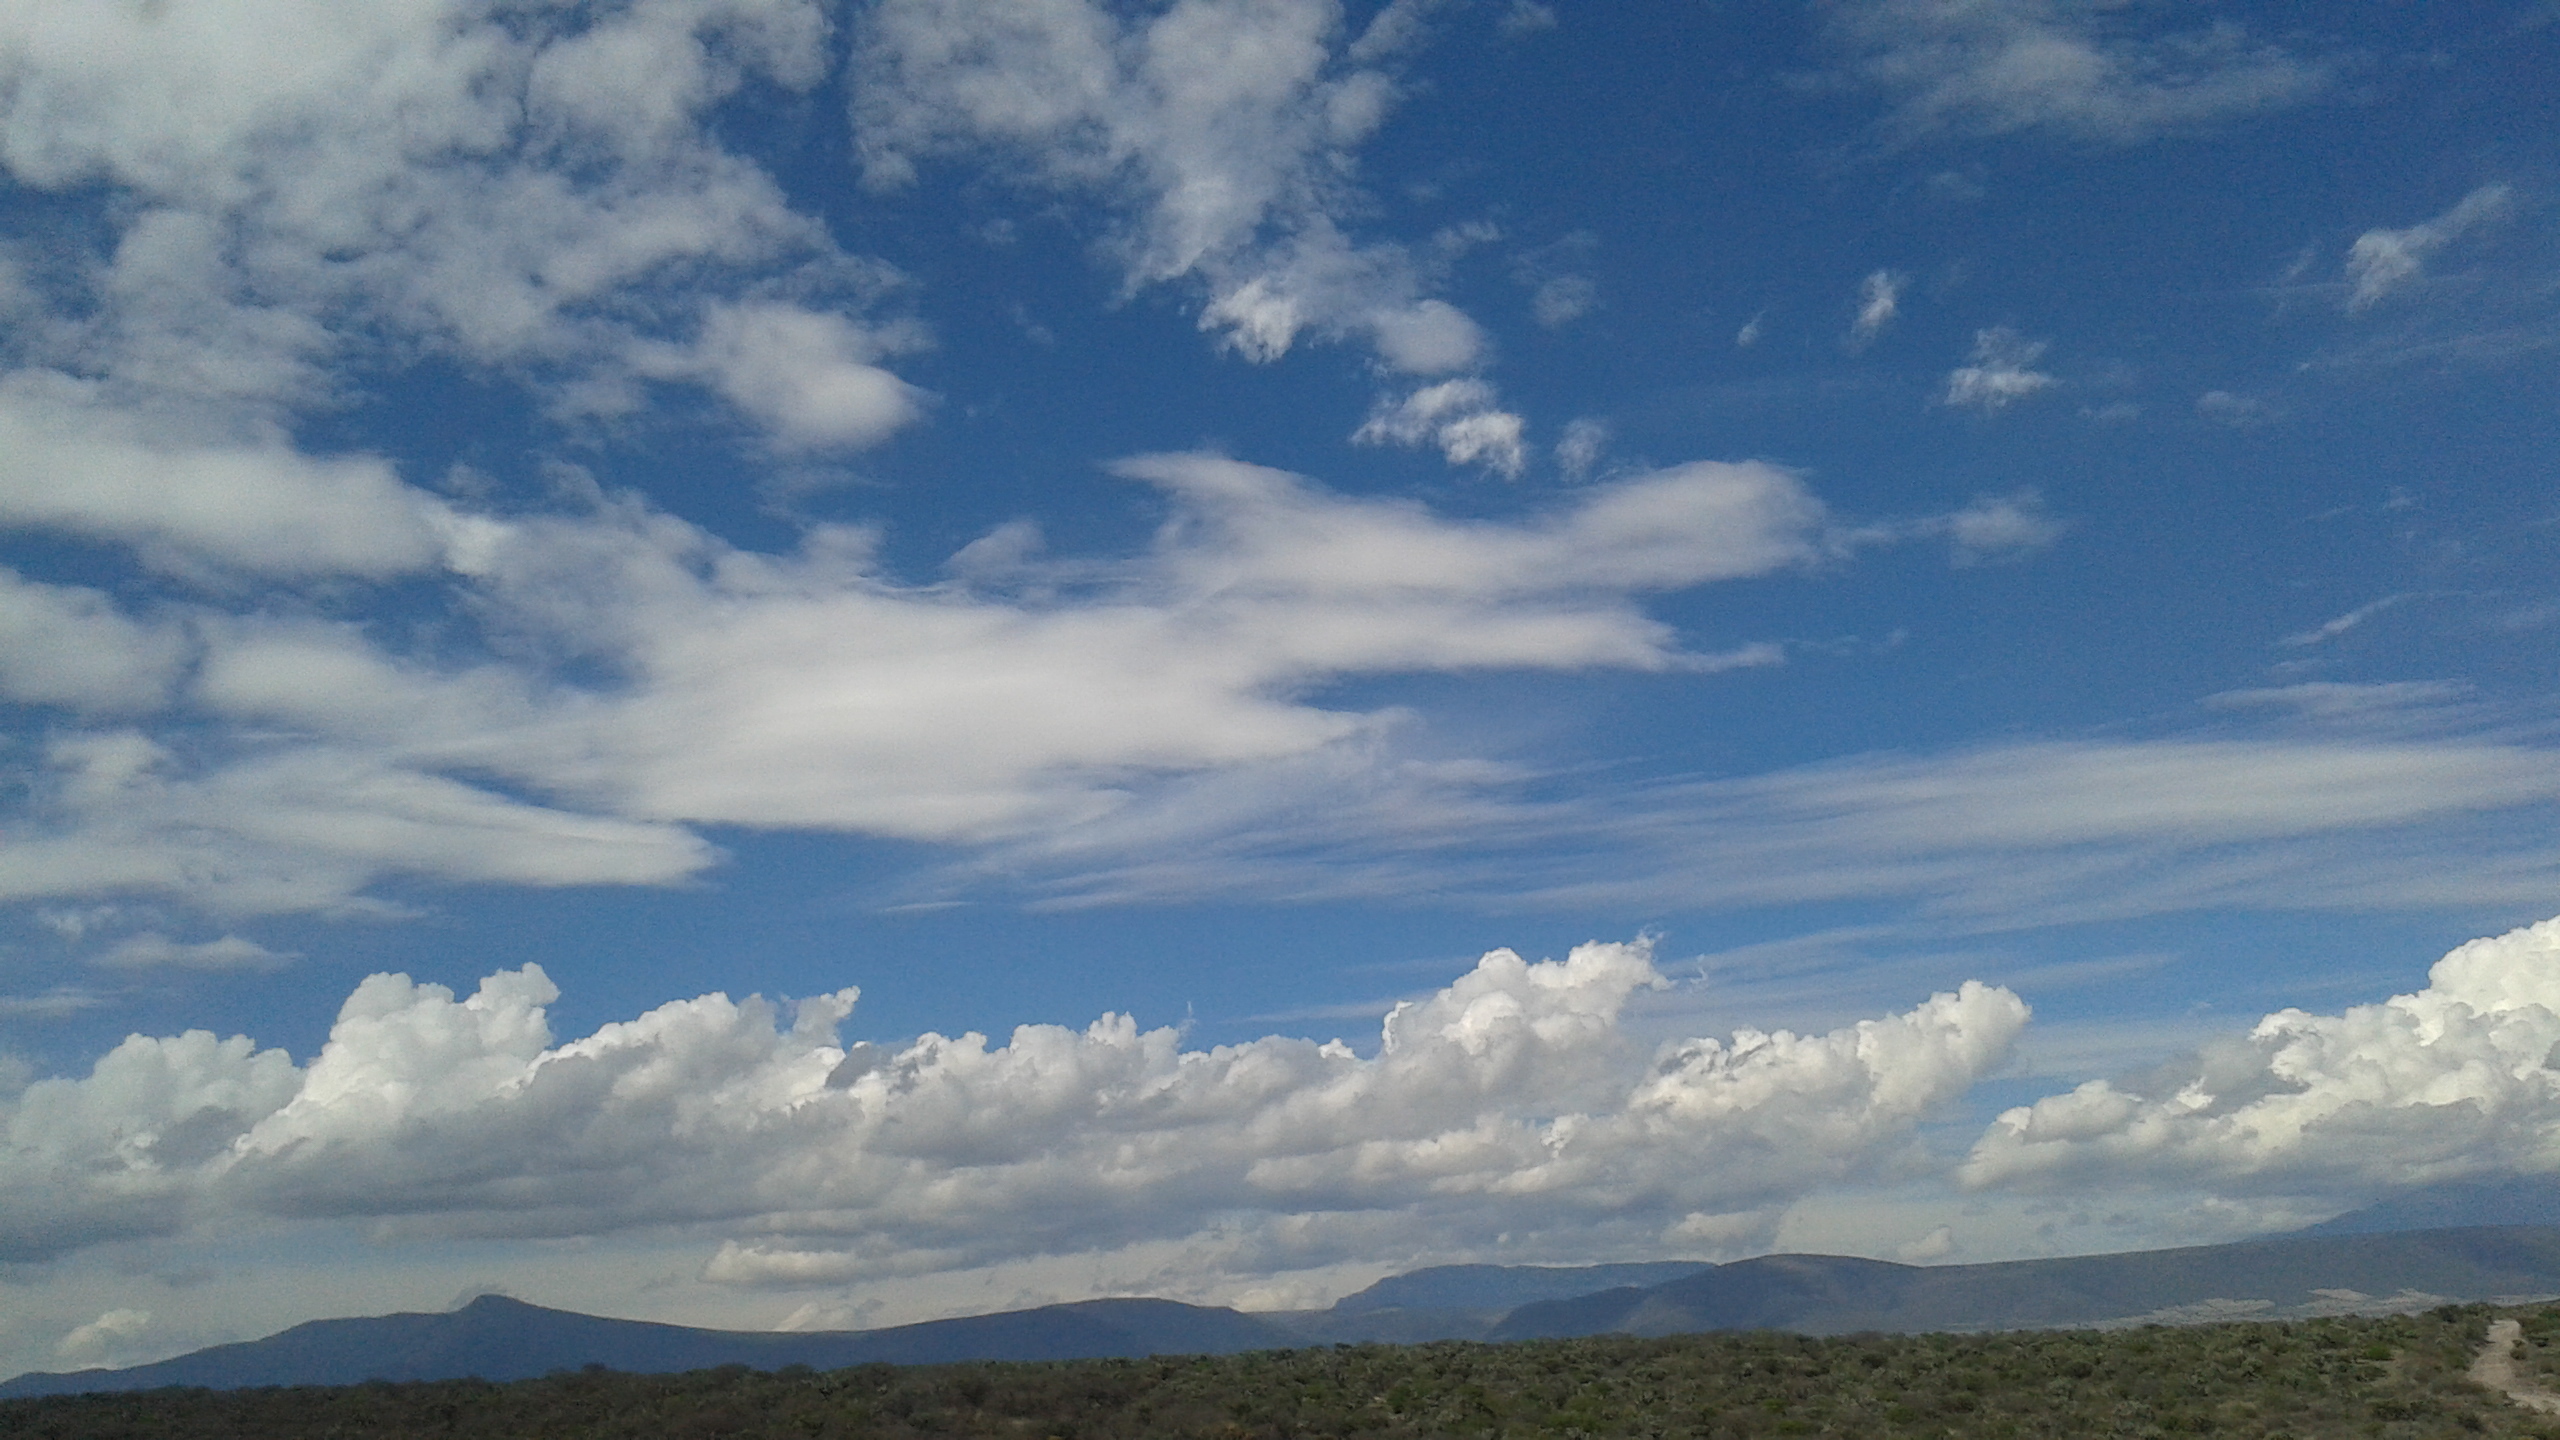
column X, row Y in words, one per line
column 2496, row 1368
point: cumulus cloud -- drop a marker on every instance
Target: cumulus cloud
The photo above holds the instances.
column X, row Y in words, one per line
column 2073, row 68
column 1879, row 301
column 1512, row 1101
column 809, row 377
column 2382, row 261
column 105, row 1335
column 2002, row 372
column 2450, row 1082
column 1460, row 417
column 1221, row 131
column 427, row 175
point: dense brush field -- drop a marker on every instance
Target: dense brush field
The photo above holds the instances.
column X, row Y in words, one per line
column 2396, row 1378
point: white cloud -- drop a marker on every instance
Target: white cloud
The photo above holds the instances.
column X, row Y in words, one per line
column 2240, row 412
column 2001, row 373
column 431, row 174
column 1525, row 17
column 1563, row 299
column 1989, row 528
column 2450, row 1082
column 51, row 1005
column 2382, row 261
column 801, row 692
column 151, row 950
column 106, row 1335
column 70, row 645
column 1461, row 417
column 809, row 690
column 809, row 377
column 1668, row 529
column 2331, row 629
column 1996, row 837
column 1749, row 334
column 1510, row 1102
column 121, row 1151
column 2001, row 526
column 2072, row 67
column 1220, row 129
column 1879, row 301
column 304, row 827
column 1428, row 337
column 72, row 464
column 2329, row 699
column 1585, row 441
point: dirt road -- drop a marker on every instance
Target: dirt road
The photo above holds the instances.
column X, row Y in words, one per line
column 2496, row 1368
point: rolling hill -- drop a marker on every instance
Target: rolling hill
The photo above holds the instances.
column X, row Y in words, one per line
column 1838, row 1295
column 496, row 1338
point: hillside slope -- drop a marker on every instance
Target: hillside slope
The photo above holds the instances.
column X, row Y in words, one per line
column 1839, row 1295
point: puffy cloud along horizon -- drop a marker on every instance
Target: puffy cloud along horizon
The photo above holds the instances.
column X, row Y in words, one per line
column 1513, row 1100
column 2451, row 1082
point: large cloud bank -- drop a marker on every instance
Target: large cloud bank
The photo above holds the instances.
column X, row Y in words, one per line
column 642, row 675
column 2452, row 1082
column 1512, row 1102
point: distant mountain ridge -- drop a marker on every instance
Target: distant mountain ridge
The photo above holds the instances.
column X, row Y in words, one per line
column 1505, row 1287
column 2301, row 1274
column 2516, row 1200
column 496, row 1338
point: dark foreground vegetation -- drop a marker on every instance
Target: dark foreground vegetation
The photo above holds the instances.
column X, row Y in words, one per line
column 2396, row 1378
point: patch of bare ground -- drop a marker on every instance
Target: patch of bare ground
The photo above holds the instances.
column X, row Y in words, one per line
column 2496, row 1369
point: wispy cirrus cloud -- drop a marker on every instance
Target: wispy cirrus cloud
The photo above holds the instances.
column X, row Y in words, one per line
column 2331, row 629
column 1879, row 301
column 2383, row 261
column 2066, row 67
column 1999, row 837
column 2002, row 373
column 151, row 950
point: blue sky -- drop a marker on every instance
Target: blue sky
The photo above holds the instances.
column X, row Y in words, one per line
column 1921, row 567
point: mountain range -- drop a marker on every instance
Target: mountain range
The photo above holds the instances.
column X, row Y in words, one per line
column 498, row 1338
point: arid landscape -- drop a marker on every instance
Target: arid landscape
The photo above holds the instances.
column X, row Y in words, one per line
column 2382, row 1378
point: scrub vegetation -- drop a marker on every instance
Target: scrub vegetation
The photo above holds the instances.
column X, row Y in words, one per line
column 2388, row 1378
